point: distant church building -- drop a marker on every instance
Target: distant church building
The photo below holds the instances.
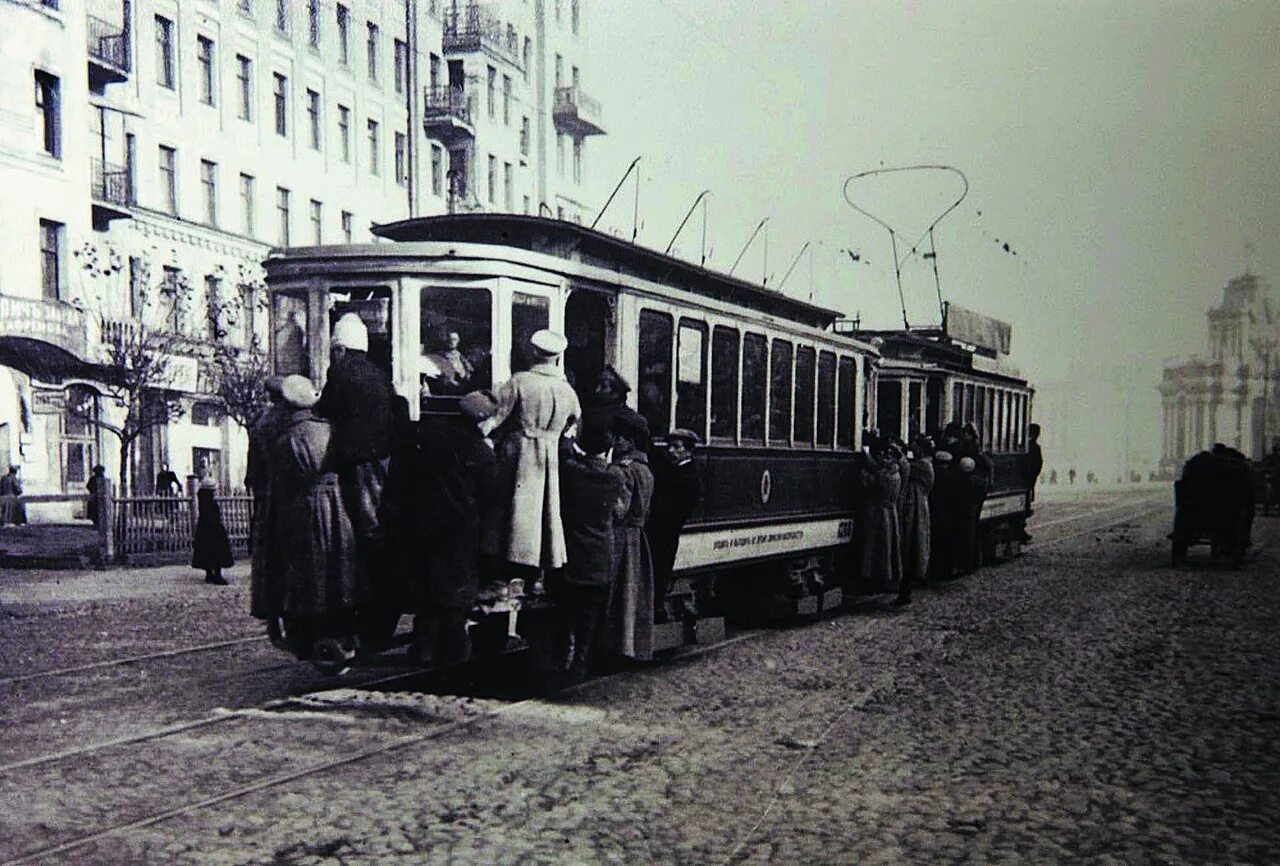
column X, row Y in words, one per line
column 1230, row 396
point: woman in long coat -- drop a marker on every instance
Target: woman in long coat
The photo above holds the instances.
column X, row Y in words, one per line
column 212, row 547
column 913, row 513
column 880, row 565
column 322, row 574
column 545, row 405
column 632, row 606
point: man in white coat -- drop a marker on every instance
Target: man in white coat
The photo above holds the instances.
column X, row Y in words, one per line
column 543, row 406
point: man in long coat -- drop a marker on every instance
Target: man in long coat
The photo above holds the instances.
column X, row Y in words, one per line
column 266, row 597
column 677, row 491
column 322, row 572
column 544, row 405
column 880, row 559
column 632, row 608
column 914, row 517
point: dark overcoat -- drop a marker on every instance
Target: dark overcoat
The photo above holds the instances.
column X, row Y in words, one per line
column 212, row 547
column 914, row 516
column 589, row 495
column 631, row 611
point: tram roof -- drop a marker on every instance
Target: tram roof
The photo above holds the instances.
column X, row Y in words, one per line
column 572, row 241
column 933, row 346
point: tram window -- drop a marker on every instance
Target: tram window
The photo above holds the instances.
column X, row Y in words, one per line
column 655, row 370
column 289, row 340
column 889, row 408
column 755, row 373
column 989, row 420
column 957, row 402
column 724, row 382
column 457, row 340
column 969, row 407
column 529, row 314
column 915, row 410
column 804, row 396
column 780, row 393
column 691, row 377
column 933, row 417
column 373, row 306
column 826, row 399
column 844, row 414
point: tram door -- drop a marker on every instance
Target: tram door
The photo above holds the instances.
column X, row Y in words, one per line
column 588, row 323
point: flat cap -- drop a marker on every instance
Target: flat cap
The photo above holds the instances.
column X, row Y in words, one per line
column 685, row 435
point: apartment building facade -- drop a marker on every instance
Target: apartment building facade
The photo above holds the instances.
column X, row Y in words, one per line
column 156, row 150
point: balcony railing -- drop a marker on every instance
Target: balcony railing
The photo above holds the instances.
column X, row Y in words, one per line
column 108, row 43
column 473, row 27
column 576, row 113
column 447, row 113
column 111, row 183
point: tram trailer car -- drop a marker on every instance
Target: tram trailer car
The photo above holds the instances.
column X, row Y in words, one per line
column 778, row 399
column 929, row 377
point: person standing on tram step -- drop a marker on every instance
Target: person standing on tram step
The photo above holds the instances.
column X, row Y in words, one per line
column 545, row 407
column 266, row 590
column 453, row 490
column 914, row 518
column 632, row 605
column 212, row 548
column 590, row 491
column 321, row 572
column 1032, row 465
column 880, row 562
column 970, row 493
column 944, row 515
column 677, row 492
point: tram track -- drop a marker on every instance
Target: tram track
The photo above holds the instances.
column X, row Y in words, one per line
column 128, row 660
column 1134, row 511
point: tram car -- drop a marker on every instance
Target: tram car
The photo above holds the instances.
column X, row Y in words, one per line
column 777, row 398
column 959, row 372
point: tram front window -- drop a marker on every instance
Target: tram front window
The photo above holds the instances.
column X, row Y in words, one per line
column 529, row 314
column 373, row 306
column 289, row 340
column 457, row 340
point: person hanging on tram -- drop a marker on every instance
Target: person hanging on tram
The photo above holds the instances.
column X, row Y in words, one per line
column 544, row 407
column 677, row 492
column 632, row 606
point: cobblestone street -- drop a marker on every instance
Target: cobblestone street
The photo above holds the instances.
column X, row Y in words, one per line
column 1084, row 703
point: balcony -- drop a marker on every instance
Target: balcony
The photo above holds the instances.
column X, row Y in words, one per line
column 111, row 191
column 446, row 114
column 108, row 45
column 474, row 28
column 576, row 113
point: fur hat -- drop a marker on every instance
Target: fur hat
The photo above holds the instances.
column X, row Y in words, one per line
column 298, row 392
column 350, row 333
column 478, row 405
column 548, row 343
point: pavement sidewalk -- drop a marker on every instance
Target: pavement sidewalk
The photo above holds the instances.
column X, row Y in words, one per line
column 43, row 587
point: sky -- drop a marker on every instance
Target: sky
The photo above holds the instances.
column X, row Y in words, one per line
column 1126, row 152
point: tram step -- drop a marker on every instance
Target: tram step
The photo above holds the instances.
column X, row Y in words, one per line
column 709, row 630
column 832, row 599
column 807, row 606
column 667, row 635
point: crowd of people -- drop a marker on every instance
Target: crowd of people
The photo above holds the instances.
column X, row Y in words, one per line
column 918, row 507
column 361, row 514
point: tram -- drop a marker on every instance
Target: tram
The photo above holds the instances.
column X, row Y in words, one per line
column 778, row 398
column 959, row 372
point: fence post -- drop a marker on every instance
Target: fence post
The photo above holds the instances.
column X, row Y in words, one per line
column 106, row 525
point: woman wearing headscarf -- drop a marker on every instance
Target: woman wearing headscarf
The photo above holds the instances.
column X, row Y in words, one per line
column 212, row 551
column 322, row 573
column 913, row 511
column 880, row 561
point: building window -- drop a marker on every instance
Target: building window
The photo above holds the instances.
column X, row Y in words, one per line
column 437, row 170
column 164, row 52
column 459, row 174
column 559, row 71
column 344, row 132
column 508, row 183
column 245, row 7
column 346, row 227
column 282, row 17
column 313, row 115
column 205, row 415
column 402, row 172
column 169, row 179
column 574, row 15
column 247, row 204
column 344, row 35
column 577, row 160
column 402, row 65
column 433, row 72
column 506, row 100
column 373, row 146
column 313, row 23
column 317, row 222
column 493, row 179
column 171, row 290
column 282, row 210
column 212, row 305
column 372, row 46
column 560, row 153
column 493, row 93
column 204, row 58
column 48, row 89
column 524, row 136
column 527, row 205
column 527, row 57
column 51, row 259
column 209, row 181
column 282, row 104
column 244, row 73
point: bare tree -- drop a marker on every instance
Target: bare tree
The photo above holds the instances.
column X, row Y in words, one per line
column 136, row 350
column 240, row 365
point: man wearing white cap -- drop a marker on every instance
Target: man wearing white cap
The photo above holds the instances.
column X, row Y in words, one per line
column 357, row 400
column 545, row 405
